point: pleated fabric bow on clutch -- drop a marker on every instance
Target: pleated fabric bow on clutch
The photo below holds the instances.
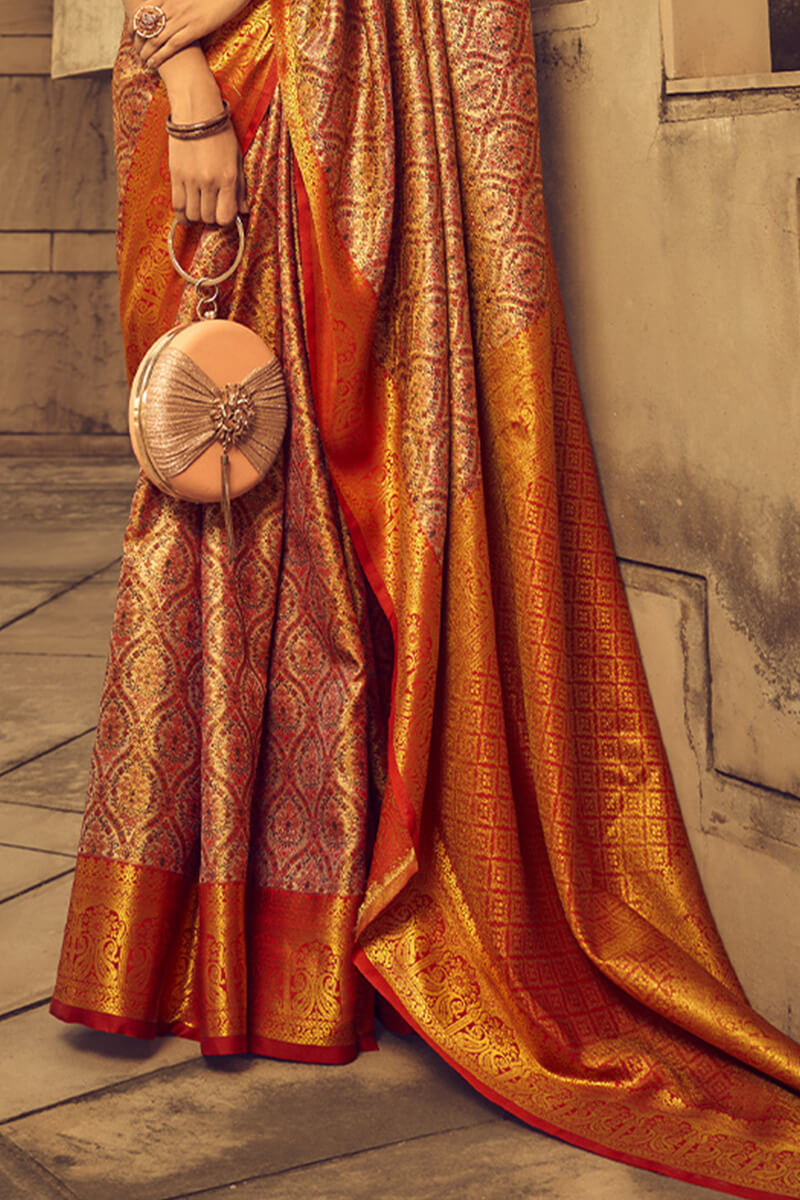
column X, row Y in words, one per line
column 208, row 408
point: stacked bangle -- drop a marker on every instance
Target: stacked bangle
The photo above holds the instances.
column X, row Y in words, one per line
column 201, row 129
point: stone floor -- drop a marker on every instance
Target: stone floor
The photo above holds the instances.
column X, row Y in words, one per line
column 97, row 1117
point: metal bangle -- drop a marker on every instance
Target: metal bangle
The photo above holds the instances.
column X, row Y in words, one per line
column 205, row 280
column 198, row 134
column 198, row 126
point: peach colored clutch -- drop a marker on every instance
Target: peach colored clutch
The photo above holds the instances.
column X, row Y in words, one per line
column 207, row 411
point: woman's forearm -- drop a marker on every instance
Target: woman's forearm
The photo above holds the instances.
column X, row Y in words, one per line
column 207, row 180
column 190, row 83
column 192, row 89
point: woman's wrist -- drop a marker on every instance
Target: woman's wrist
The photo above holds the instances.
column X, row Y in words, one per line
column 193, row 91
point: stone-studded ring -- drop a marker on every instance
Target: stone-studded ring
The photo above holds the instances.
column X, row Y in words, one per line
column 149, row 21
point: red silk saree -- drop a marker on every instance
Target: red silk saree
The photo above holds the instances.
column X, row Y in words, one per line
column 403, row 743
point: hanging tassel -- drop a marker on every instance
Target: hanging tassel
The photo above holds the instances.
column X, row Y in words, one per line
column 226, row 503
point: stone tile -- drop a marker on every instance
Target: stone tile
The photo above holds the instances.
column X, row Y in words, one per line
column 465, row 1164
column 199, row 1126
column 55, row 780
column 84, row 252
column 60, row 334
column 65, row 445
column 755, row 901
column 33, row 17
column 23, row 869
column 67, row 555
column 26, row 477
column 63, row 520
column 108, row 574
column 61, row 172
column 39, row 828
column 17, row 598
column 46, row 699
column 78, row 622
column 23, row 1179
column 23, row 251
column 668, row 614
column 47, row 1062
column 25, row 55
column 31, row 927
column 63, row 495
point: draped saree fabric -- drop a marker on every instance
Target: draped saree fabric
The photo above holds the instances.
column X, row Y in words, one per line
column 404, row 741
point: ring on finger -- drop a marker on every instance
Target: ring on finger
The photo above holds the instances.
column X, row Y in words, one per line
column 149, row 21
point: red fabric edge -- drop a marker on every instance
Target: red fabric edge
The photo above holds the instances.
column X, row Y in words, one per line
column 370, row 570
column 385, row 990
column 241, row 1044
column 105, row 1022
column 294, row 1052
column 265, row 99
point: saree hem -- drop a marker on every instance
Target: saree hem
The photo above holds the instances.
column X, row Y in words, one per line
column 263, row 1047
column 387, row 994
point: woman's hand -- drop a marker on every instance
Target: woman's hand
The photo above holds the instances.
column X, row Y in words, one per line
column 206, row 173
column 207, row 179
column 187, row 21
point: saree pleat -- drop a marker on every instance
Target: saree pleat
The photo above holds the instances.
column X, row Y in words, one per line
column 404, row 741
column 238, row 755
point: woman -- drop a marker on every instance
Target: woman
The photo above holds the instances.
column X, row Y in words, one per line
column 403, row 743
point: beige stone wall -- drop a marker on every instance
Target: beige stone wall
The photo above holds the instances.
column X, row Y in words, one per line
column 697, row 42
column 86, row 35
column 62, row 386
column 675, row 220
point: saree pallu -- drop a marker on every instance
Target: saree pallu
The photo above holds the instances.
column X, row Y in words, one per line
column 404, row 741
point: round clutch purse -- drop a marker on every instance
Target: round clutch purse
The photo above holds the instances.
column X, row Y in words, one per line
column 207, row 411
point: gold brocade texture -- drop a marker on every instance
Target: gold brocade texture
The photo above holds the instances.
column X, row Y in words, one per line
column 414, row 705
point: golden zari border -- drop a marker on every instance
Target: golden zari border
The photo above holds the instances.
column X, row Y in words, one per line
column 647, row 1096
column 236, row 968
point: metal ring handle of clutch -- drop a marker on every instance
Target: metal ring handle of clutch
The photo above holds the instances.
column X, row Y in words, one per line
column 205, row 281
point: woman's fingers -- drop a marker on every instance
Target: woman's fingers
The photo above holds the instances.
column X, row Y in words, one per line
column 156, row 53
column 208, row 204
column 207, row 178
column 146, row 47
column 179, row 200
column 193, row 209
column 179, row 32
column 190, row 20
column 227, row 207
